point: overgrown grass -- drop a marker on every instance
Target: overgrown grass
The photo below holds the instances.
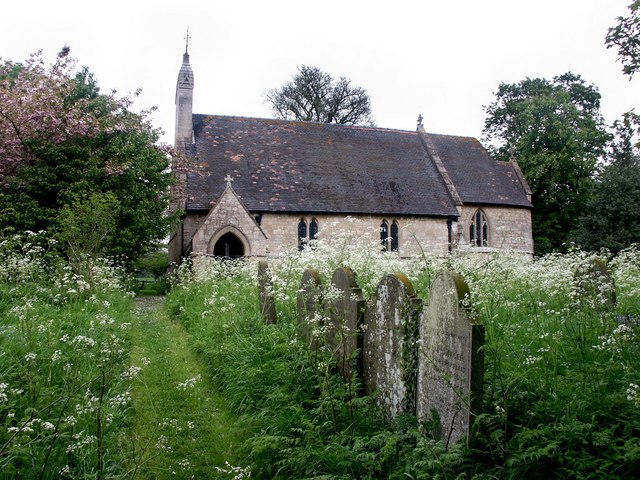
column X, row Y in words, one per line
column 90, row 390
column 560, row 401
column 64, row 383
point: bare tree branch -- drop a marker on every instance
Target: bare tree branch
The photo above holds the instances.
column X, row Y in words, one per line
column 313, row 95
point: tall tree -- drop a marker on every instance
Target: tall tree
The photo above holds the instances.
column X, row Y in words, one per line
column 556, row 131
column 611, row 218
column 61, row 140
column 625, row 35
column 315, row 96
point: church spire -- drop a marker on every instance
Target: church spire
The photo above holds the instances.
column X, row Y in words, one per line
column 184, row 101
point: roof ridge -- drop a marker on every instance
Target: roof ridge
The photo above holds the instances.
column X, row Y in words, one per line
column 308, row 122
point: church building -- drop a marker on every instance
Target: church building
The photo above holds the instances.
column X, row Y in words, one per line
column 257, row 187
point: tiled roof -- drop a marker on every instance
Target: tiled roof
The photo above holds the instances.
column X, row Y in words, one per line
column 292, row 166
column 479, row 178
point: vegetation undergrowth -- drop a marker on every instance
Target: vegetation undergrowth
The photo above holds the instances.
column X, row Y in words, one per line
column 91, row 388
column 561, row 393
column 64, row 381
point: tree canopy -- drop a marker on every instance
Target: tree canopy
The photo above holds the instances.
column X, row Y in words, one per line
column 556, row 131
column 64, row 146
column 313, row 95
column 611, row 218
column 625, row 35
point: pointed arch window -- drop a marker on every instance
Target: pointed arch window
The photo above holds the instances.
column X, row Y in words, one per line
column 479, row 230
column 305, row 235
column 389, row 236
column 384, row 235
column 394, row 236
column 313, row 229
column 302, row 233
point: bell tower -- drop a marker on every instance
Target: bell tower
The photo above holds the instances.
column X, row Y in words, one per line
column 183, row 137
column 184, row 102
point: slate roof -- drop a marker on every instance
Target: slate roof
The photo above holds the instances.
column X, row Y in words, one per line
column 293, row 166
column 478, row 178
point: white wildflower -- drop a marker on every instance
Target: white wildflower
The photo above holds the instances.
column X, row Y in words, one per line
column 189, row 383
column 30, row 357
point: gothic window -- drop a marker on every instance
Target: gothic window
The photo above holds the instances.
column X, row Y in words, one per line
column 389, row 239
column 479, row 230
column 313, row 229
column 384, row 235
column 302, row 233
column 394, row 236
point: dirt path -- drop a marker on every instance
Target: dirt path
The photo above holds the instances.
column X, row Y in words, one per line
column 181, row 427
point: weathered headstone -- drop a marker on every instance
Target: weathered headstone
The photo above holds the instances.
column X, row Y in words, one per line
column 265, row 288
column 594, row 284
column 309, row 307
column 390, row 349
column 451, row 360
column 345, row 310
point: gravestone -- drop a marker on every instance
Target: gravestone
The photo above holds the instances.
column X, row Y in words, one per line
column 309, row 307
column 265, row 289
column 345, row 310
column 451, row 361
column 390, row 347
column 594, row 284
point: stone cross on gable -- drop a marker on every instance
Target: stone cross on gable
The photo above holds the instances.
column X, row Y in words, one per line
column 228, row 179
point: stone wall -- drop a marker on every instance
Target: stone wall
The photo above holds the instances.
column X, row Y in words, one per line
column 509, row 227
column 281, row 230
column 229, row 215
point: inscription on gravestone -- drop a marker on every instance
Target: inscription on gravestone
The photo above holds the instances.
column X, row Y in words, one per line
column 390, row 353
column 450, row 359
column 265, row 288
column 345, row 309
column 309, row 307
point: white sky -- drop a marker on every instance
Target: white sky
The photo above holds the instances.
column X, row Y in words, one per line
column 440, row 58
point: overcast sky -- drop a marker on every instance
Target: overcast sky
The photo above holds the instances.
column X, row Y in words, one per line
column 442, row 59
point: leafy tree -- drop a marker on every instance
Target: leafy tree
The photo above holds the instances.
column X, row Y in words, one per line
column 611, row 218
column 87, row 225
column 626, row 37
column 315, row 96
column 556, row 131
column 62, row 140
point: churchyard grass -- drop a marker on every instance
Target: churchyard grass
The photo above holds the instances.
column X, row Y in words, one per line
column 561, row 371
column 95, row 386
column 181, row 427
column 92, row 387
column 64, row 376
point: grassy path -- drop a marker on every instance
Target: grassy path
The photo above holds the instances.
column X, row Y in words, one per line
column 181, row 428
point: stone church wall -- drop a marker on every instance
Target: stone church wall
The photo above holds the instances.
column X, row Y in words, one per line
column 282, row 231
column 509, row 227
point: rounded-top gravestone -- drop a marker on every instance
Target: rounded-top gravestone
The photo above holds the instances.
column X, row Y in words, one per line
column 390, row 352
column 450, row 359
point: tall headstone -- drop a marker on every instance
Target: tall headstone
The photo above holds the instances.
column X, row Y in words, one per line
column 265, row 288
column 345, row 310
column 451, row 360
column 310, row 308
column 594, row 284
column 390, row 345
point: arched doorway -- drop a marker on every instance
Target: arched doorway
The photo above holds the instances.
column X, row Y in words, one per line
column 228, row 246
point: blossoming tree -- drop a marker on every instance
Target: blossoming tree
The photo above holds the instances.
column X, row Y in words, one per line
column 62, row 141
